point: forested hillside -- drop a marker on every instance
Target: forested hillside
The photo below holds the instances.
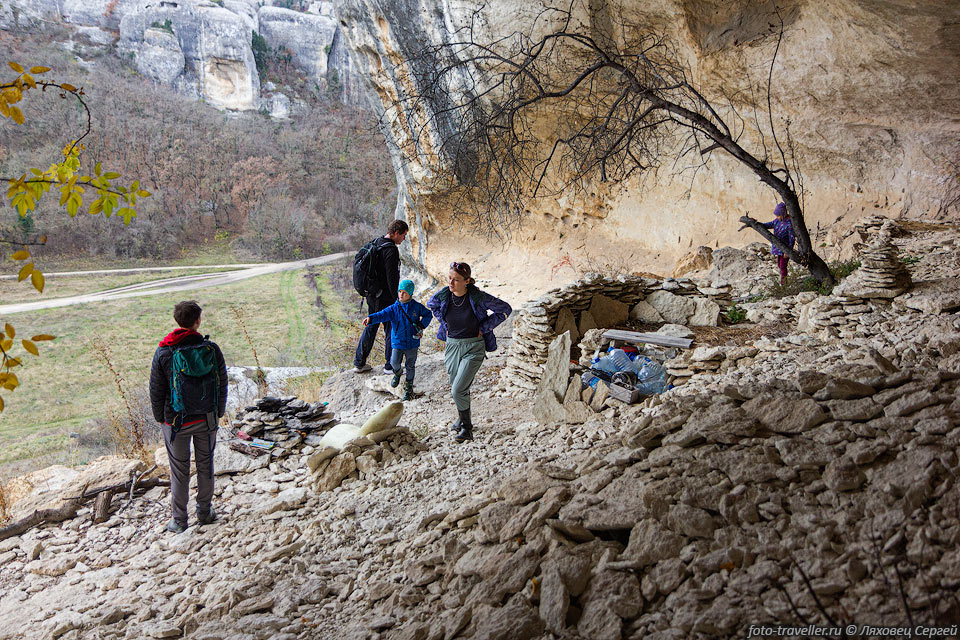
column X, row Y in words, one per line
column 266, row 188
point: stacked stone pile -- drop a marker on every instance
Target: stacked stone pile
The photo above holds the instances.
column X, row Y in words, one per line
column 288, row 422
column 598, row 301
column 870, row 226
column 842, row 316
column 695, row 520
column 881, row 275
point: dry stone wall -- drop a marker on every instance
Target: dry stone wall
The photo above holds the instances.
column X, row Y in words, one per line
column 599, row 301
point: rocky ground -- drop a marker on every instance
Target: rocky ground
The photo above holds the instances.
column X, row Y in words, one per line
column 812, row 481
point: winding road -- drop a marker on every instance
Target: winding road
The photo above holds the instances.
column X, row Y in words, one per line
column 167, row 285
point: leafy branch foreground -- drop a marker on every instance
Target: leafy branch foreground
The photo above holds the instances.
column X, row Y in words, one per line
column 26, row 191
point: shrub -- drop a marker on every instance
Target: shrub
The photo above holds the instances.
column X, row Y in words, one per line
column 799, row 280
column 735, row 315
column 165, row 26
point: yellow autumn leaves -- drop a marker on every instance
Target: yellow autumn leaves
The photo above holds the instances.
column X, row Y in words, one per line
column 12, row 92
column 24, row 194
column 8, row 379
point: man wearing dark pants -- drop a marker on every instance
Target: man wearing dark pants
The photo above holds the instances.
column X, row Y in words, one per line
column 387, row 279
column 188, row 409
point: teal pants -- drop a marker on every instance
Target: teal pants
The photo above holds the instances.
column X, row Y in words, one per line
column 463, row 357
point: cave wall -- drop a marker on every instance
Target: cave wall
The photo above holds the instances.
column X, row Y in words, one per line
column 869, row 88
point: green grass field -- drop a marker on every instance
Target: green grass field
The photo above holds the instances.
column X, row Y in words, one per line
column 67, row 387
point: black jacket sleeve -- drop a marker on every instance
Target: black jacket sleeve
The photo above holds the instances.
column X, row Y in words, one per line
column 391, row 265
column 222, row 372
column 159, row 387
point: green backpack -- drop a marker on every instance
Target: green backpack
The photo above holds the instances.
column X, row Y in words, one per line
column 194, row 380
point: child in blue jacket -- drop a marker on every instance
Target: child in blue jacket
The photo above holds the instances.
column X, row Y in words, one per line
column 408, row 318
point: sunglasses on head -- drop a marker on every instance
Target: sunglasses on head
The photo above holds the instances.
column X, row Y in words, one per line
column 462, row 268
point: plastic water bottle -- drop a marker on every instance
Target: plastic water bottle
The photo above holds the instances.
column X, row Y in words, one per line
column 620, row 360
column 651, row 377
column 606, row 364
column 589, row 379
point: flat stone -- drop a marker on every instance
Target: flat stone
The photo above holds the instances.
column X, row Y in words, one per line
column 164, row 630
column 910, row 403
column 553, row 383
column 650, row 543
column 855, row 410
column 802, row 453
column 675, row 331
column 844, row 389
column 782, row 413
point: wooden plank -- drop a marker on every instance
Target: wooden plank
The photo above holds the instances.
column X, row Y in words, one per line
column 648, row 338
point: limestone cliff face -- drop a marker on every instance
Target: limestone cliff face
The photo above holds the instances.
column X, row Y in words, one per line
column 869, row 89
column 203, row 48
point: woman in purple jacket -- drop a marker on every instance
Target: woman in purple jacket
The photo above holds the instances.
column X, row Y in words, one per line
column 467, row 317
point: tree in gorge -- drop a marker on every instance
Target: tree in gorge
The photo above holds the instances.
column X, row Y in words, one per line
column 572, row 98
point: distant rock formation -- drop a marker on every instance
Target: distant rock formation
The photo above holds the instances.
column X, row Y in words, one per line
column 203, row 48
column 210, row 44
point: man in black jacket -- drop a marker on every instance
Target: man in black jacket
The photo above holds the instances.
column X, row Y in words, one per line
column 180, row 430
column 388, row 279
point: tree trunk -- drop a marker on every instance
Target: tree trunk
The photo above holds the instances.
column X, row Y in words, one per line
column 101, row 507
column 40, row 516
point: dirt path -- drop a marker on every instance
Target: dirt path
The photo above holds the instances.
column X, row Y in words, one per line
column 167, row 285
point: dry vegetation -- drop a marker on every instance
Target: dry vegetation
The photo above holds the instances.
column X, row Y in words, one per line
column 271, row 189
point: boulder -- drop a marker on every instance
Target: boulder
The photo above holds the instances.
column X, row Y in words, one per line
column 696, row 260
column 226, row 460
column 339, row 468
column 644, row 312
column 783, row 413
column 706, row 313
column 674, row 309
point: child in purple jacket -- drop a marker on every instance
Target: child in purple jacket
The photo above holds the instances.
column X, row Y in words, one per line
column 783, row 231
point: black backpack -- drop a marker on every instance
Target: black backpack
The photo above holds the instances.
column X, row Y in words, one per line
column 368, row 269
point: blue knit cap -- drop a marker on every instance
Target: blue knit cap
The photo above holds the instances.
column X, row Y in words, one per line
column 780, row 210
column 406, row 285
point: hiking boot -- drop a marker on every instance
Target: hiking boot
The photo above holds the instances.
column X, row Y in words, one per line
column 466, row 426
column 363, row 368
column 408, row 391
column 396, row 379
column 175, row 527
column 206, row 517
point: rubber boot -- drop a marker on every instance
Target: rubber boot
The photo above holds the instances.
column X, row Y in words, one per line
column 408, row 391
column 466, row 427
column 396, row 379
